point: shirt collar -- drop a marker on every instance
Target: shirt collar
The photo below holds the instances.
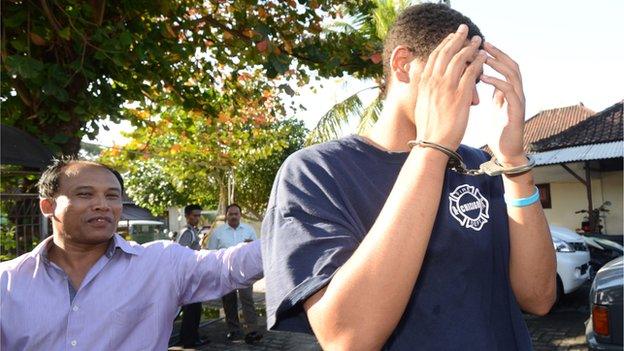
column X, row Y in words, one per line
column 117, row 242
column 229, row 226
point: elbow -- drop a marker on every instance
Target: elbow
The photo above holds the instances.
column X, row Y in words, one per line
column 540, row 302
column 347, row 341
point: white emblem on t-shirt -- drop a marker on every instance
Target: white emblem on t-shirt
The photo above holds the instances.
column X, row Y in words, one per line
column 469, row 207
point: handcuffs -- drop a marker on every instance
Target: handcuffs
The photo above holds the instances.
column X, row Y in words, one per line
column 456, row 163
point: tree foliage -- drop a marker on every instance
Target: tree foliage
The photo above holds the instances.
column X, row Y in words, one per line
column 67, row 64
column 180, row 157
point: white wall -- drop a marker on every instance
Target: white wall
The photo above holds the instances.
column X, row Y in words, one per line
column 612, row 191
column 569, row 195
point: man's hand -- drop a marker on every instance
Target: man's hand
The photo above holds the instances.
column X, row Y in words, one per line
column 446, row 88
column 507, row 143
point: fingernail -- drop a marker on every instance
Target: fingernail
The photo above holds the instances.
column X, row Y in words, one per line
column 462, row 28
column 476, row 39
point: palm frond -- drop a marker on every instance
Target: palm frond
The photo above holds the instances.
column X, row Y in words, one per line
column 370, row 115
column 349, row 24
column 330, row 125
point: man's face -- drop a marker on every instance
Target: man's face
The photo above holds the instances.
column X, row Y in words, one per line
column 87, row 206
column 193, row 218
column 233, row 216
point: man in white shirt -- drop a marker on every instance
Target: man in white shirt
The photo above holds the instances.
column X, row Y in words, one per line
column 232, row 233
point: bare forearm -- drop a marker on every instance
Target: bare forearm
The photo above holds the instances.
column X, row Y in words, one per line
column 532, row 263
column 366, row 298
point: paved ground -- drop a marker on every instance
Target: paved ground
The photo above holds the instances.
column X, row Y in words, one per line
column 562, row 329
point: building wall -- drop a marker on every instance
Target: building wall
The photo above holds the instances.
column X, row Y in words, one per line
column 612, row 191
column 570, row 196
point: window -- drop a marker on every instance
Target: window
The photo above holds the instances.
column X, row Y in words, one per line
column 544, row 190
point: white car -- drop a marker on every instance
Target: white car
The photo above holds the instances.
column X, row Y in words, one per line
column 572, row 259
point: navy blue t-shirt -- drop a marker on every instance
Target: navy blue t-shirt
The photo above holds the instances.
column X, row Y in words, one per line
column 324, row 201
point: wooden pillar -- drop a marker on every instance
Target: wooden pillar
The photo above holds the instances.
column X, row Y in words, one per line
column 593, row 225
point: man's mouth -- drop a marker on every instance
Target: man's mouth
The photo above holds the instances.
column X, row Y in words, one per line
column 100, row 219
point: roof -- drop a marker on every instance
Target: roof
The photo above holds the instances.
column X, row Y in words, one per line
column 134, row 212
column 580, row 153
column 551, row 122
column 603, row 127
column 22, row 149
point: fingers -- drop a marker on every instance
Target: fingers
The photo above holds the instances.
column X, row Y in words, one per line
column 450, row 49
column 459, row 62
column 504, row 65
column 431, row 61
column 504, row 90
column 472, row 73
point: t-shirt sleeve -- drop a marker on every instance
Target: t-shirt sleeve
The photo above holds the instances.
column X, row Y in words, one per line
column 306, row 237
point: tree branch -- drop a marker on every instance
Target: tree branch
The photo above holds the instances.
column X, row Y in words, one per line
column 50, row 15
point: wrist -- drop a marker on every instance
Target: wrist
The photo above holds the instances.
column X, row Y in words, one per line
column 521, row 185
column 510, row 162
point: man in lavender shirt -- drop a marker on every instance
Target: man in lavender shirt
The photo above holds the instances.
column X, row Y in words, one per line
column 86, row 288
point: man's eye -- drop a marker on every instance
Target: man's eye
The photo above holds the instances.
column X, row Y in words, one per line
column 84, row 194
column 113, row 196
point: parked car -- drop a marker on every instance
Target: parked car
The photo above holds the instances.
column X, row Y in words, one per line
column 603, row 329
column 572, row 259
column 601, row 251
column 142, row 231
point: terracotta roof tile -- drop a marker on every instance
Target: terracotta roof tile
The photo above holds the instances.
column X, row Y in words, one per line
column 550, row 122
column 603, row 127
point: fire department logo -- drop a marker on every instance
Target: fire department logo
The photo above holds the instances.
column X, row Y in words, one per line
column 469, row 207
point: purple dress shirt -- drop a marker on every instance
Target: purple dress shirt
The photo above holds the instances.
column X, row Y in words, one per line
column 127, row 301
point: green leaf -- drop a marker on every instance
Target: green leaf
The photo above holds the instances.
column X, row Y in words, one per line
column 24, row 66
column 15, row 20
column 65, row 33
column 279, row 63
column 60, row 139
column 19, row 45
column 125, row 39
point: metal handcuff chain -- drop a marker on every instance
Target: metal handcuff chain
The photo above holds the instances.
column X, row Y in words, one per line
column 456, row 163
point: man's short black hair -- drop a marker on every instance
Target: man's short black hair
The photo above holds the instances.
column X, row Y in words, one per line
column 422, row 28
column 49, row 183
column 190, row 208
column 233, row 205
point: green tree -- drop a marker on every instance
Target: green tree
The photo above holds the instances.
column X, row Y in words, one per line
column 67, row 64
column 181, row 157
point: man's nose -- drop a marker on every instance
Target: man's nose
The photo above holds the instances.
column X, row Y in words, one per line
column 101, row 203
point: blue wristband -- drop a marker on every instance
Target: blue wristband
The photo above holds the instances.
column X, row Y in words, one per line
column 523, row 202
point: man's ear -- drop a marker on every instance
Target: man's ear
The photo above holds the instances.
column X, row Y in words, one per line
column 47, row 207
column 400, row 61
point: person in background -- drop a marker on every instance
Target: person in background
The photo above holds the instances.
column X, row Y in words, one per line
column 229, row 234
column 191, row 313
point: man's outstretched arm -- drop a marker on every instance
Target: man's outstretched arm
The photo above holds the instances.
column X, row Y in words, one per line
column 367, row 296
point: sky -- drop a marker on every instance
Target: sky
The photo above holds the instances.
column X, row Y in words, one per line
column 568, row 52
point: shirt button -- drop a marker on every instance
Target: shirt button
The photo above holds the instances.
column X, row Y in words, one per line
column 74, row 343
column 75, row 308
